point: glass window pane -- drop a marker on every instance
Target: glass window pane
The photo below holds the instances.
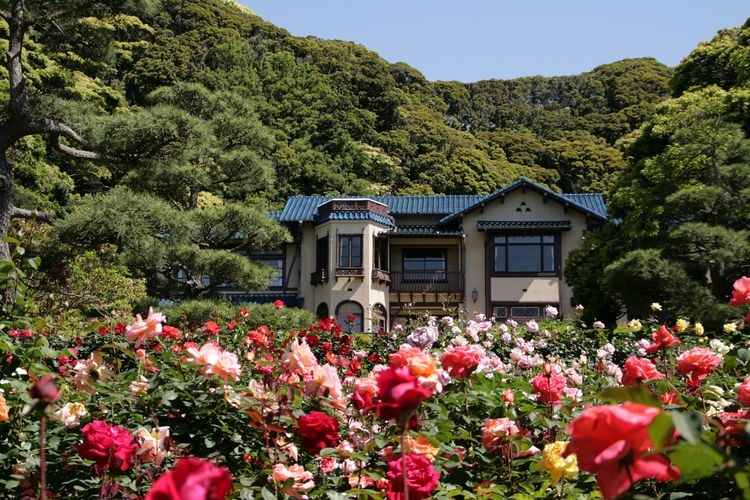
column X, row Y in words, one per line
column 344, row 251
column 524, row 259
column 549, row 258
column 500, row 259
column 356, row 260
column 548, row 239
column 524, row 312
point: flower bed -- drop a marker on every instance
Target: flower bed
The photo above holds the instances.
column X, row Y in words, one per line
column 448, row 407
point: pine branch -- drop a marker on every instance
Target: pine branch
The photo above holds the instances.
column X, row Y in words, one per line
column 32, row 214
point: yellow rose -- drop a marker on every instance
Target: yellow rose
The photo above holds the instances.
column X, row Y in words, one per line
column 681, row 325
column 556, row 464
column 730, row 327
column 698, row 329
column 635, row 325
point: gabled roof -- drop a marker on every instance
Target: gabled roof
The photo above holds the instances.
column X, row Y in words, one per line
column 591, row 204
column 304, row 208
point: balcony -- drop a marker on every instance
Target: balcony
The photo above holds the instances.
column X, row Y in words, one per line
column 381, row 276
column 427, row 281
column 319, row 277
column 350, row 272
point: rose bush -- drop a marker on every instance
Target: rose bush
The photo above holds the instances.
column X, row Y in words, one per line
column 140, row 408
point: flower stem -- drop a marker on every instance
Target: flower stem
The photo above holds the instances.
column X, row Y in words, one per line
column 403, row 464
column 42, row 459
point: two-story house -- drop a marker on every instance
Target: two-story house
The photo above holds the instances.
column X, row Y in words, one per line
column 381, row 258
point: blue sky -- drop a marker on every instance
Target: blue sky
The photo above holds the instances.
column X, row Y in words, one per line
column 470, row 40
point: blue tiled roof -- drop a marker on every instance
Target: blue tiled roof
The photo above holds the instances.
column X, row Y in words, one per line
column 303, row 208
column 424, row 230
column 274, row 214
column 388, row 221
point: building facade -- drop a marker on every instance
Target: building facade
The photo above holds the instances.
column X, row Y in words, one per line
column 379, row 260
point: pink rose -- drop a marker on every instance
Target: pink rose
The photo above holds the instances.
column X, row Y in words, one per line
column 399, row 393
column 462, row 360
column 743, row 392
column 141, row 330
column 697, row 364
column 637, row 370
column 192, row 479
column 741, row 292
column 421, row 477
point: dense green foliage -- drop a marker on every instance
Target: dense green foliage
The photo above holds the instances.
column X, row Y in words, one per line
column 681, row 230
column 203, row 111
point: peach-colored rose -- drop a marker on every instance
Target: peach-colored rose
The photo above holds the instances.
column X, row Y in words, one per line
column 325, row 378
column 496, row 431
column 303, row 480
column 401, row 357
column 70, row 414
column 422, row 365
column 85, row 369
column 3, row 409
column 141, row 330
column 300, row 357
column 215, row 361
column 361, row 481
column 420, row 446
column 153, row 444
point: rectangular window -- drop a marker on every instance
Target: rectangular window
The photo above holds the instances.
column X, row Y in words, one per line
column 380, row 254
column 524, row 254
column 275, row 261
column 321, row 254
column 350, row 250
column 425, row 264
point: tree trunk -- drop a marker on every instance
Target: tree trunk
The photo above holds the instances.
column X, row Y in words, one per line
column 6, row 202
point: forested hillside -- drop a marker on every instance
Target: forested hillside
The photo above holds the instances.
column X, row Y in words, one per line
column 203, row 116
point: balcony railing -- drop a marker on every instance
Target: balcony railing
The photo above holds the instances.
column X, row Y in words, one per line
column 350, row 272
column 427, row 281
column 319, row 277
column 381, row 276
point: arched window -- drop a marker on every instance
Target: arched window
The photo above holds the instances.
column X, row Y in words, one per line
column 379, row 317
column 322, row 311
column 349, row 314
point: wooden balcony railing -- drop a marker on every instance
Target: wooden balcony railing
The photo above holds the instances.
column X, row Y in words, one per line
column 427, row 281
column 319, row 277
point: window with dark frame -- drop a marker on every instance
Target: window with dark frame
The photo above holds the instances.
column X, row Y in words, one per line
column 350, row 250
column 380, row 254
column 424, row 264
column 275, row 261
column 525, row 254
column 321, row 254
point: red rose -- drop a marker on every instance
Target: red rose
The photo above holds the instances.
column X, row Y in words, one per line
column 278, row 304
column 399, row 393
column 612, row 443
column 421, row 477
column 170, row 332
column 312, row 339
column 462, row 360
column 549, row 387
column 192, row 479
column 662, row 338
column 45, row 390
column 741, row 292
column 211, row 328
column 637, row 370
column 318, row 431
column 109, row 446
column 697, row 363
